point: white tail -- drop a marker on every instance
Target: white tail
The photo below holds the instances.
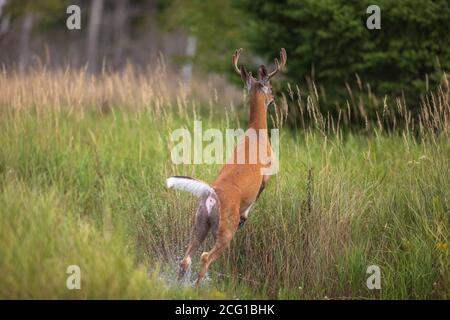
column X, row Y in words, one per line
column 194, row 186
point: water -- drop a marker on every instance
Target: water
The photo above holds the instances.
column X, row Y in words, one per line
column 168, row 274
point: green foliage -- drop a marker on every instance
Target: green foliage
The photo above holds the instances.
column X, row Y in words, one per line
column 50, row 13
column 48, row 7
column 215, row 23
column 327, row 40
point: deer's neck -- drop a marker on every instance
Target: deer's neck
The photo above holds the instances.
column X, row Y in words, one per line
column 258, row 112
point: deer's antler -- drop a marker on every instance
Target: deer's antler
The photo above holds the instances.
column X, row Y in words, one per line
column 278, row 65
column 235, row 60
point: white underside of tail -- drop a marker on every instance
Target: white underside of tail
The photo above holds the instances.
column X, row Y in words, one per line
column 194, row 186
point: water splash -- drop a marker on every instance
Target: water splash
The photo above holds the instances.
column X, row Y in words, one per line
column 168, row 274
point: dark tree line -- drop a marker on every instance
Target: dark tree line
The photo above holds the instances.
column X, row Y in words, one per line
column 328, row 42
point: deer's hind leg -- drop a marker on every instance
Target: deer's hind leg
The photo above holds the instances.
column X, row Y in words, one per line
column 229, row 220
column 198, row 234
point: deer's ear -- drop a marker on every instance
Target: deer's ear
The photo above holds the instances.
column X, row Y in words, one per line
column 262, row 73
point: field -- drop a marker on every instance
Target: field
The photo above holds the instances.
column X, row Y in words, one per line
column 83, row 163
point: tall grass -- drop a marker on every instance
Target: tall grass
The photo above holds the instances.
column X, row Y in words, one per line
column 83, row 162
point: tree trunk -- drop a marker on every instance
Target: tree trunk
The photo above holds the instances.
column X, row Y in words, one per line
column 153, row 32
column 24, row 49
column 186, row 72
column 4, row 19
column 120, row 34
column 93, row 32
column 2, row 5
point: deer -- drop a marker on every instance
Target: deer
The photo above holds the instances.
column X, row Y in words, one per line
column 224, row 204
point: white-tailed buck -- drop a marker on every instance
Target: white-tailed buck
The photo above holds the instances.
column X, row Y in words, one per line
column 225, row 204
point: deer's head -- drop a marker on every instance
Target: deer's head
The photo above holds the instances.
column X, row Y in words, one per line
column 260, row 87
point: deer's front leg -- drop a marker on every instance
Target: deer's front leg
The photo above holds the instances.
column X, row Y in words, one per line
column 265, row 180
column 244, row 213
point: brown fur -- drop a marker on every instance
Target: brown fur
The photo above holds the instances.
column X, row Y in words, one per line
column 237, row 185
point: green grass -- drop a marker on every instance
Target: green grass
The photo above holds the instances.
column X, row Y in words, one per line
column 89, row 190
column 87, row 187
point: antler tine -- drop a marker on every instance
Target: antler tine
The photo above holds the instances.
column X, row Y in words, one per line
column 278, row 65
column 235, row 60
